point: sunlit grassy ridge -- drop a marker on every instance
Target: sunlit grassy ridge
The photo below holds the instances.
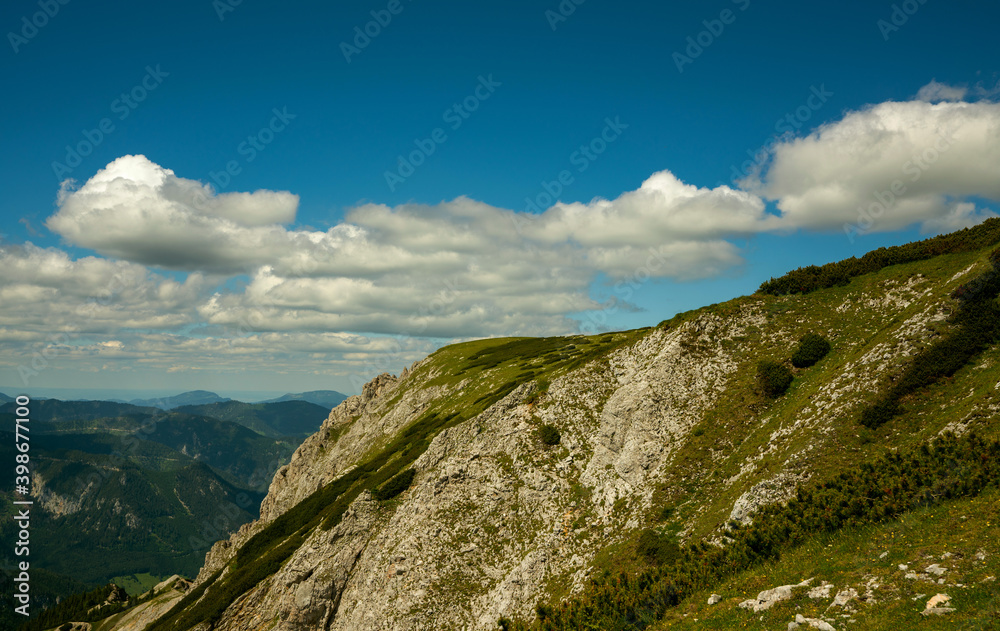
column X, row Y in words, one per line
column 813, row 277
column 741, row 424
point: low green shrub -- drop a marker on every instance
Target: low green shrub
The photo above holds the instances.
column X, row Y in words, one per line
column 773, row 378
column 879, row 413
column 541, row 387
column 977, row 327
column 812, row 348
column 549, row 435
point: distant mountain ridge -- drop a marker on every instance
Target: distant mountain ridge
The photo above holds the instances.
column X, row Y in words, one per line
column 55, row 410
column 192, row 397
column 326, row 398
column 107, row 506
column 277, row 419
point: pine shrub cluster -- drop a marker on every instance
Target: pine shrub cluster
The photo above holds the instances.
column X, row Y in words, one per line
column 549, row 435
column 977, row 327
column 813, row 277
column 812, row 348
column 396, row 485
column 773, row 378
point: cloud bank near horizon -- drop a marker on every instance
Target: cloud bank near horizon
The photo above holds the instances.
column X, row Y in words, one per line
column 459, row 268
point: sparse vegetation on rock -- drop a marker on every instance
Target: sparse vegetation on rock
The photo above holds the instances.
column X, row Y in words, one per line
column 549, row 434
column 874, row 492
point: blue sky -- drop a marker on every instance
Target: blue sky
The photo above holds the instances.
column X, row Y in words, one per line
column 498, row 100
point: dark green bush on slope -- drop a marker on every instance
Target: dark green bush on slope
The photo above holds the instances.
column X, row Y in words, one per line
column 549, row 435
column 657, row 548
column 773, row 378
column 811, row 349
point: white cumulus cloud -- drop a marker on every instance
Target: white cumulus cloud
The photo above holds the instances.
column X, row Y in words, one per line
column 896, row 163
column 371, row 292
column 139, row 211
column 936, row 91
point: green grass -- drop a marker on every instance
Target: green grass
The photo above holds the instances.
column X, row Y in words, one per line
column 850, row 558
column 741, row 424
column 868, row 496
column 137, row 584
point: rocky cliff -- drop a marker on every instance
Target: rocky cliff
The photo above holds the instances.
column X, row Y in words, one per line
column 659, row 427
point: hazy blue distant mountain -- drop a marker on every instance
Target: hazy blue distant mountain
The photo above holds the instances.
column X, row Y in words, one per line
column 326, row 398
column 56, row 410
column 284, row 418
column 112, row 507
column 194, row 397
column 4, row 398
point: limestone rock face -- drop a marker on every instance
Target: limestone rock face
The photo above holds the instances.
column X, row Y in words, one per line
column 493, row 518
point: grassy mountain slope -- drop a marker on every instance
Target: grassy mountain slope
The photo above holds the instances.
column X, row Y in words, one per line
column 958, row 535
column 878, row 323
column 667, row 447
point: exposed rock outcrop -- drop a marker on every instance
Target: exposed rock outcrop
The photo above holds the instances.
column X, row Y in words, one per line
column 767, row 598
